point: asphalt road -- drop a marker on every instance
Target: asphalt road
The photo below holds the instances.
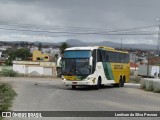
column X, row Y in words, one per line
column 49, row 94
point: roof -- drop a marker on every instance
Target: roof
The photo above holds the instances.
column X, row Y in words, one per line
column 83, row 48
column 95, row 47
column 132, row 64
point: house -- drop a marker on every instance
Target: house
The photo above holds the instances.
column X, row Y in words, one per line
column 154, row 60
column 39, row 56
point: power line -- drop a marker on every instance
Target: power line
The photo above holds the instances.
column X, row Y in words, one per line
column 82, row 28
column 79, row 33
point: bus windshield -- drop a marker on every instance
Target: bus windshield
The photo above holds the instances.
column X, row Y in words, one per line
column 76, row 63
column 77, row 54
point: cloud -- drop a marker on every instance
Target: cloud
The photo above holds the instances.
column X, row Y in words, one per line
column 103, row 14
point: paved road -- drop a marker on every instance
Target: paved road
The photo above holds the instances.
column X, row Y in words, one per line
column 48, row 94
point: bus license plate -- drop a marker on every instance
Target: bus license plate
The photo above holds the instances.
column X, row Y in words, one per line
column 74, row 83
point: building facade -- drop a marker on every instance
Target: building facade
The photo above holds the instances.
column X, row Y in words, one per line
column 39, row 56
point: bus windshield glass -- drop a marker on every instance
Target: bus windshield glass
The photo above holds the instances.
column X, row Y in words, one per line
column 76, row 63
column 77, row 54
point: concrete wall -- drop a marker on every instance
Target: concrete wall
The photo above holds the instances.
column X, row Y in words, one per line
column 38, row 63
column 150, row 84
column 35, row 68
column 19, row 68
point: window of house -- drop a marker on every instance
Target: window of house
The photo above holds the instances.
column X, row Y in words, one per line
column 46, row 57
column 38, row 58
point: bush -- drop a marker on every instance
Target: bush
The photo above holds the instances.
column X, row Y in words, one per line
column 8, row 73
column 135, row 79
column 6, row 95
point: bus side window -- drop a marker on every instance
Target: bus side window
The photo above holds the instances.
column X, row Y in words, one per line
column 126, row 57
column 120, row 57
column 107, row 58
column 99, row 56
column 113, row 57
column 103, row 55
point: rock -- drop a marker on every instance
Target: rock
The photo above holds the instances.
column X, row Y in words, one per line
column 149, row 84
column 36, row 83
column 143, row 86
column 156, row 86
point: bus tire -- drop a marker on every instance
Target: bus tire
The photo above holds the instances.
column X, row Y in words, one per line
column 122, row 83
column 73, row 87
column 98, row 84
column 118, row 84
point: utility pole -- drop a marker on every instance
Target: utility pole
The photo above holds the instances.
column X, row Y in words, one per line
column 158, row 74
column 158, row 44
column 121, row 43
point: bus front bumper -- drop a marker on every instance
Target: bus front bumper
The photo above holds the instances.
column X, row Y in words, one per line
column 78, row 83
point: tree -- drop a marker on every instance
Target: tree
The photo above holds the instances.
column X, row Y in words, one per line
column 22, row 53
column 40, row 46
column 63, row 46
column 56, row 57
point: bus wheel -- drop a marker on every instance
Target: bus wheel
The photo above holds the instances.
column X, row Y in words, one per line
column 98, row 84
column 73, row 87
column 122, row 83
column 118, row 84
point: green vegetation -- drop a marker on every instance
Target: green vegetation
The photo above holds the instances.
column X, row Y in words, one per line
column 6, row 96
column 21, row 54
column 40, row 46
column 63, row 46
column 135, row 79
column 8, row 73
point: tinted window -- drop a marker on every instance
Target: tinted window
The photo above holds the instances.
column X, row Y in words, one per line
column 113, row 57
column 77, row 54
column 94, row 60
column 126, row 56
column 99, row 56
column 109, row 56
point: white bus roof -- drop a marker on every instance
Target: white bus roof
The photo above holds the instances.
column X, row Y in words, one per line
column 83, row 48
column 95, row 47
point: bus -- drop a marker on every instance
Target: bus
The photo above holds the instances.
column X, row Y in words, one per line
column 95, row 66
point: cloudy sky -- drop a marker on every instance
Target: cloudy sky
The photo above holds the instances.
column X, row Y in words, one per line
column 86, row 20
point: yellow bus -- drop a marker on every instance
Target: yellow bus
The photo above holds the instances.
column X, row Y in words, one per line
column 95, row 66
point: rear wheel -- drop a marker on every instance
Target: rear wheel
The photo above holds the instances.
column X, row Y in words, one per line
column 73, row 87
column 123, row 81
column 120, row 84
column 116, row 85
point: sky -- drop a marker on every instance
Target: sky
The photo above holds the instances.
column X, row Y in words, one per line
column 86, row 20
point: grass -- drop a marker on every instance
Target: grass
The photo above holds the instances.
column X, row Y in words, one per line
column 135, row 79
column 7, row 94
column 8, row 73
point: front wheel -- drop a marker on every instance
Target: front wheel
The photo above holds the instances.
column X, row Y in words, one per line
column 98, row 85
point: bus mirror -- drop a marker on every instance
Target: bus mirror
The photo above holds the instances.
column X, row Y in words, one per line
column 59, row 62
column 90, row 60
